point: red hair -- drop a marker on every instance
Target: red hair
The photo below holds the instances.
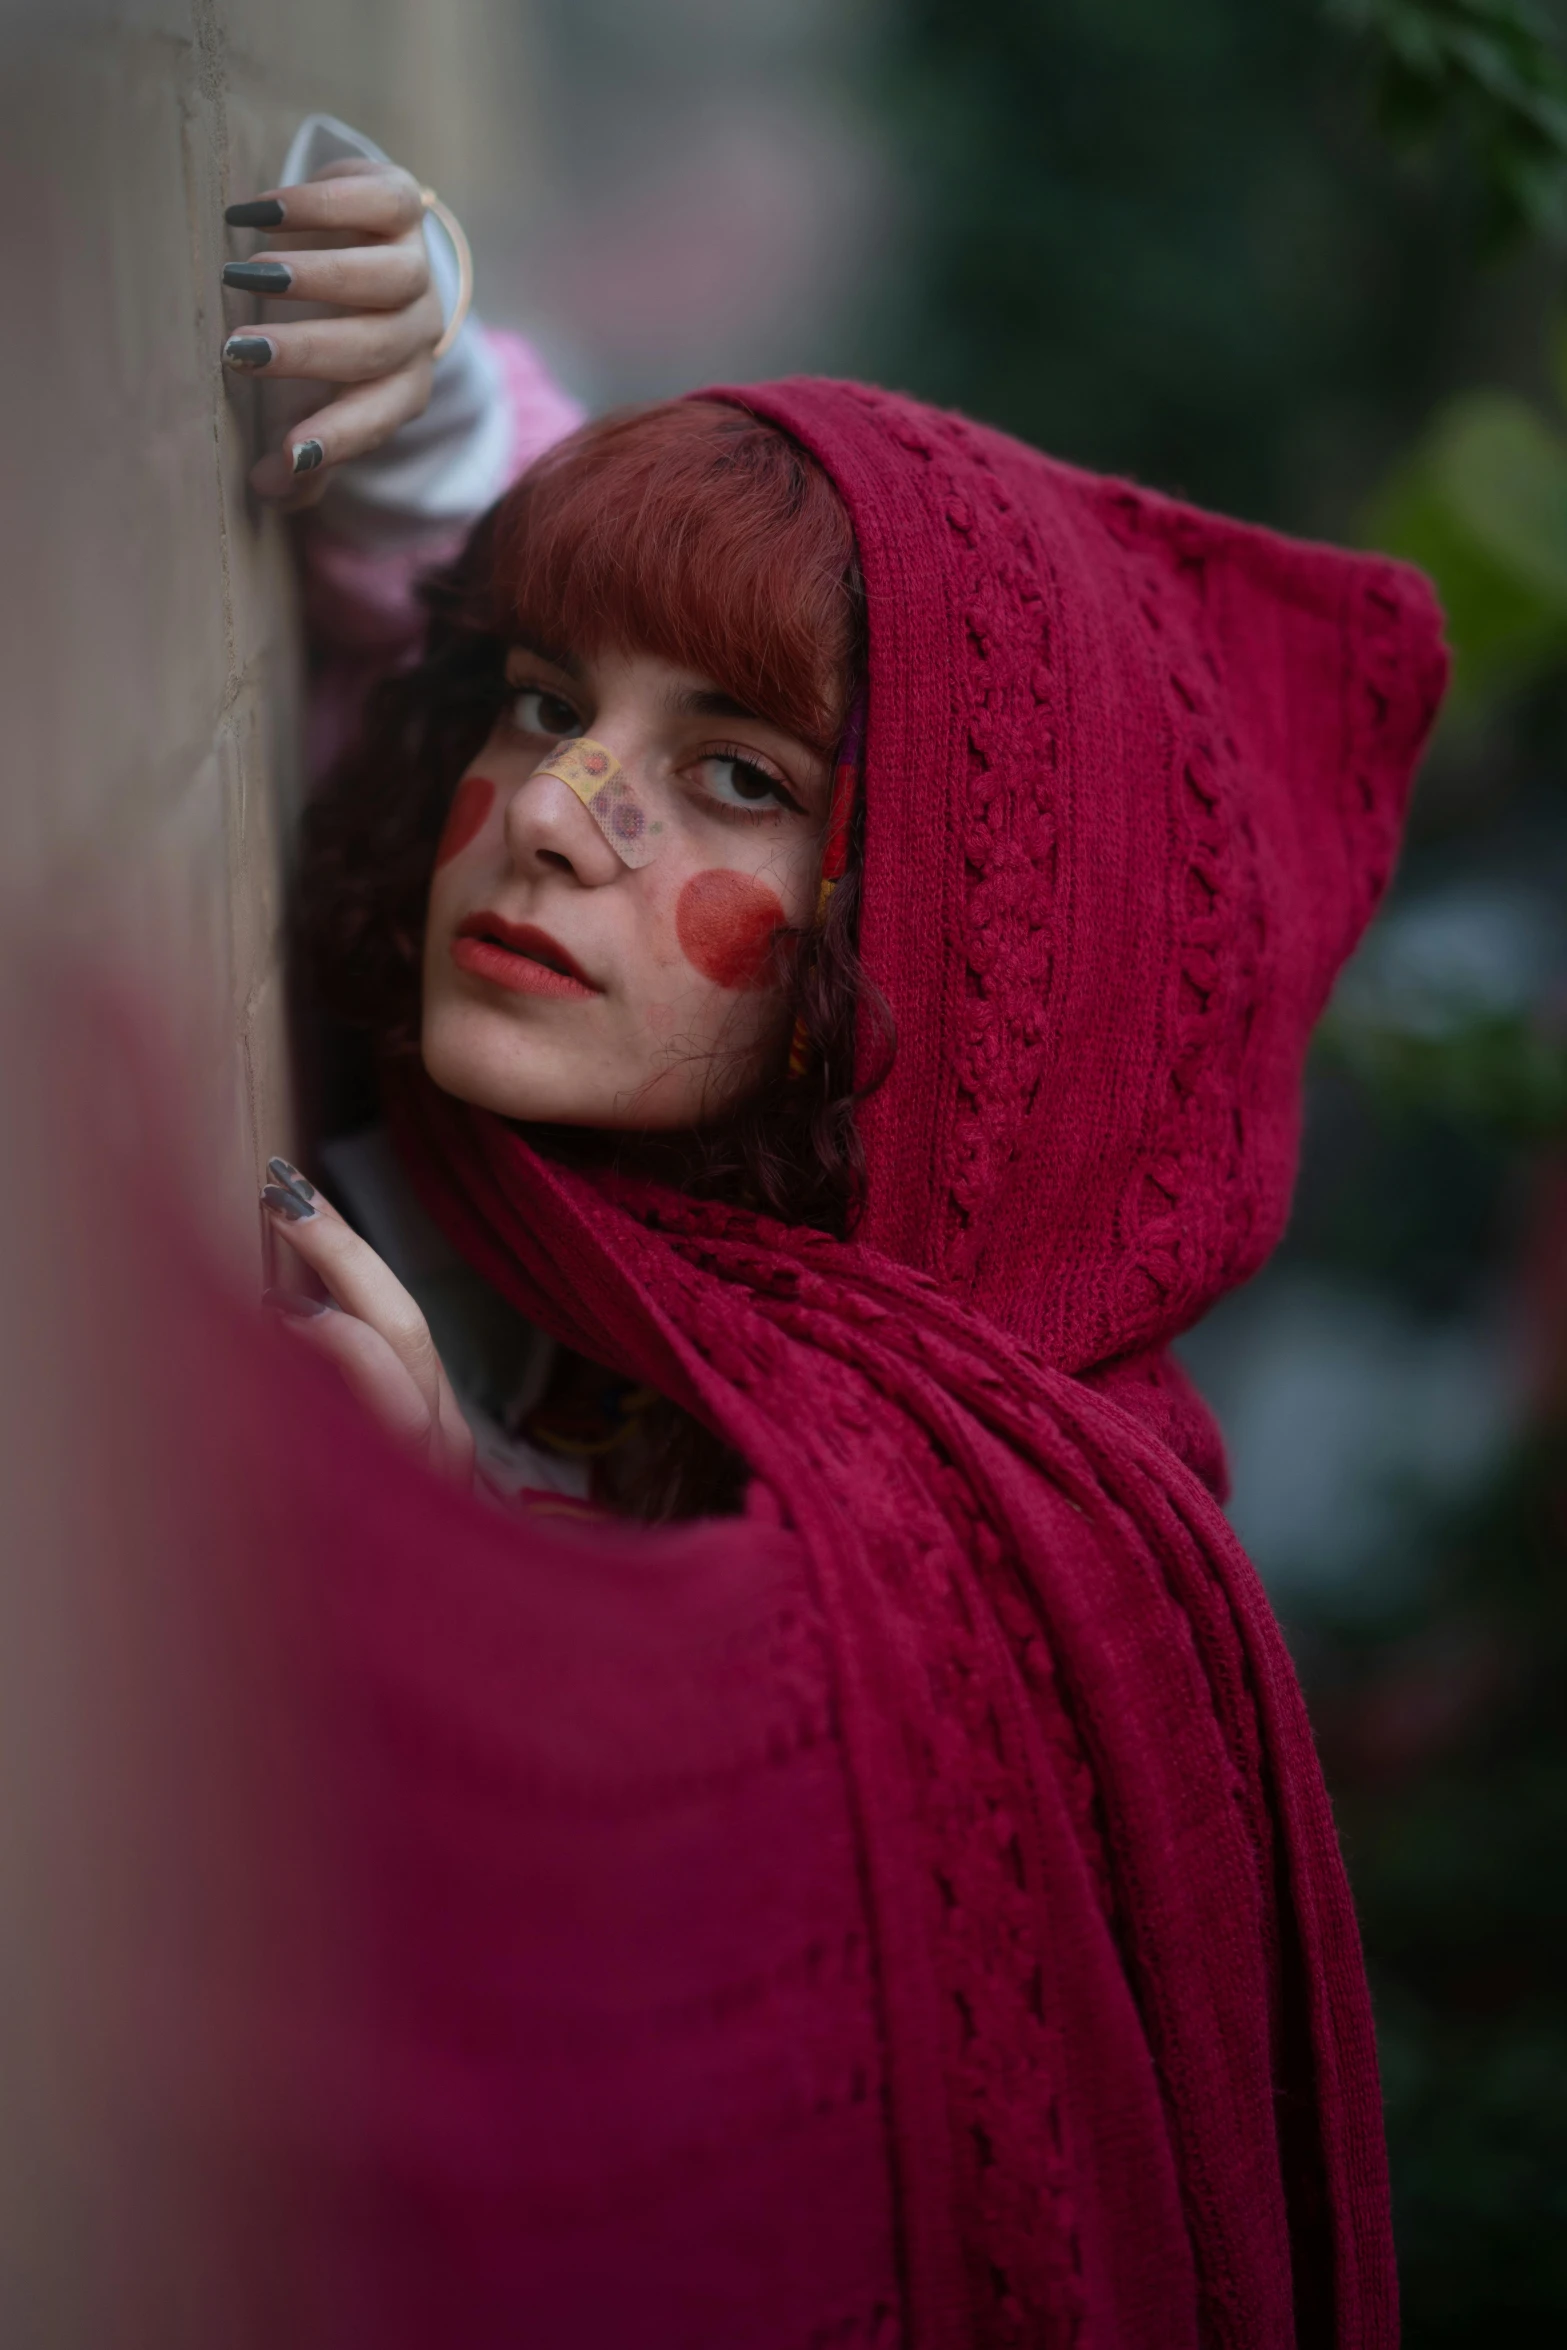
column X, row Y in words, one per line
column 694, row 532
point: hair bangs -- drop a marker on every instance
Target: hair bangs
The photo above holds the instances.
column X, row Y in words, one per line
column 697, row 533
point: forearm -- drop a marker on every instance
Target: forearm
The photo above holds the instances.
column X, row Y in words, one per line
column 385, row 524
column 390, row 514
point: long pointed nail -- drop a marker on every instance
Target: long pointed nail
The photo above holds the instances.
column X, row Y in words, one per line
column 248, row 352
column 306, row 456
column 284, row 1171
column 259, row 212
column 293, row 1303
column 285, row 1203
column 258, row 277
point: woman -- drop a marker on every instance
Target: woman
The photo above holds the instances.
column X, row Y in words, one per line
column 887, row 882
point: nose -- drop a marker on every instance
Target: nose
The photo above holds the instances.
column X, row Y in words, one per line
column 548, row 829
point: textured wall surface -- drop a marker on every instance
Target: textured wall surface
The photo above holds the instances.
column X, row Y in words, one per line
column 149, row 655
column 150, row 674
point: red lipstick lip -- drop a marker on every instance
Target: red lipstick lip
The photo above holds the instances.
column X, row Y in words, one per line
column 518, row 955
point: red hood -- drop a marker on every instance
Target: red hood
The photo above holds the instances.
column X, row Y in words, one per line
column 1134, row 781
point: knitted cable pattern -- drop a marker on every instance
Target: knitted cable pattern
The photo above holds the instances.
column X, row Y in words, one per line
column 1133, row 777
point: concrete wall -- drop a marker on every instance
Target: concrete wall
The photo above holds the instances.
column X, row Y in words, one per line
column 149, row 659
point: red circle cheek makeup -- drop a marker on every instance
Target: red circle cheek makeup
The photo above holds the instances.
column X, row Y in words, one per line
column 726, row 924
column 475, row 797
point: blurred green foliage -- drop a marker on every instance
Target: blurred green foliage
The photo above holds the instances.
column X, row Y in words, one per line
column 1501, row 1073
column 1288, row 260
column 1489, row 69
column 1481, row 504
column 1166, row 242
column 1446, row 1738
column 1480, row 501
column 1441, row 1716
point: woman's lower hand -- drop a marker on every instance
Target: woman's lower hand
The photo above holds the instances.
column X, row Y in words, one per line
column 374, row 1332
column 354, row 236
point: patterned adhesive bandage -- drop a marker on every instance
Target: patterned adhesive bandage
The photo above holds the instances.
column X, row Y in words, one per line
column 594, row 773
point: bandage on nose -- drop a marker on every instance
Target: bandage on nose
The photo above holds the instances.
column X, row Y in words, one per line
column 593, row 772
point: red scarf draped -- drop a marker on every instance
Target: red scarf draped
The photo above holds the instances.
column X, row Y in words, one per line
column 1133, row 780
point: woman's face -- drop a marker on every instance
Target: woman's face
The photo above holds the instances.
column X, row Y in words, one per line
column 563, row 983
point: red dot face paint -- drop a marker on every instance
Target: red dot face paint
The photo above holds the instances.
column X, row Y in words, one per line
column 726, row 923
column 474, row 798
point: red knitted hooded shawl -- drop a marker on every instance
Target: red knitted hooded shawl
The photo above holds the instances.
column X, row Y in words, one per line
column 1134, row 778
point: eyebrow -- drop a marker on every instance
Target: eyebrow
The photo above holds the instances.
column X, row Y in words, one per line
column 555, row 655
column 705, row 701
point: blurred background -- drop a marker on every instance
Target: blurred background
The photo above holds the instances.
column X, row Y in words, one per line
column 1301, row 261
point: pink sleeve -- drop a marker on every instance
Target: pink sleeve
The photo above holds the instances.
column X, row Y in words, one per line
column 541, row 413
column 362, row 616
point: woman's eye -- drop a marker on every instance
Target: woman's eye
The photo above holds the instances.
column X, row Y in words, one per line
column 537, row 711
column 739, row 783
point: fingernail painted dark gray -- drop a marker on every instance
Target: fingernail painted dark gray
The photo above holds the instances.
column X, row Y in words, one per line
column 249, row 351
column 285, row 1203
column 283, row 1171
column 290, row 1302
column 307, row 456
column 258, row 277
column 259, row 212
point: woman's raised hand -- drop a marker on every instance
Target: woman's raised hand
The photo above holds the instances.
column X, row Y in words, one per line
column 374, row 1332
column 354, row 236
